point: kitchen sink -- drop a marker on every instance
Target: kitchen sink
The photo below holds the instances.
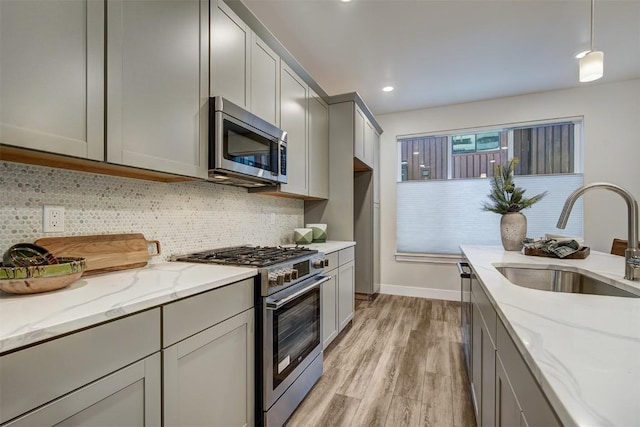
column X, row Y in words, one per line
column 561, row 281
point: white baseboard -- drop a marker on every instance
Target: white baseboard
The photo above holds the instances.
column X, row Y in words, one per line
column 412, row 291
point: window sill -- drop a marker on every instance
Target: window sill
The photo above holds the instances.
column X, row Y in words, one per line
column 427, row 258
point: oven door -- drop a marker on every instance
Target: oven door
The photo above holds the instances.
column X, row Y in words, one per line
column 292, row 335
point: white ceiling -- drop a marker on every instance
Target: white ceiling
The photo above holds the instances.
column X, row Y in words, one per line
column 451, row 51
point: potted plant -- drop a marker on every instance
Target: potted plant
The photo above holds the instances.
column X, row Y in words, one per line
column 508, row 200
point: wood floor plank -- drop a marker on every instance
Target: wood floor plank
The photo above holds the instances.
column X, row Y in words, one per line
column 403, row 412
column 439, row 329
column 412, row 368
column 437, row 403
column 437, row 357
column 402, row 327
column 463, row 414
column 339, row 412
column 452, row 312
column 438, row 310
column 422, row 318
column 318, row 400
column 366, row 360
column 352, row 357
column 375, row 404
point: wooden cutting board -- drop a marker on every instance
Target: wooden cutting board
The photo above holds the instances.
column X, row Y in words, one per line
column 104, row 252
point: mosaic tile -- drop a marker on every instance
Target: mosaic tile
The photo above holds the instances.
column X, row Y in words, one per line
column 185, row 217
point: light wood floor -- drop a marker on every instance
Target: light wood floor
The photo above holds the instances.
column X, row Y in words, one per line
column 399, row 364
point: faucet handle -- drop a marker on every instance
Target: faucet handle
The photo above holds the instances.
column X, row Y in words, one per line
column 634, row 261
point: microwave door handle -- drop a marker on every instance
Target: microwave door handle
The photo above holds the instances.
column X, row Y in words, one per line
column 276, row 304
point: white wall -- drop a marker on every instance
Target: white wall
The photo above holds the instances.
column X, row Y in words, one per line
column 611, row 153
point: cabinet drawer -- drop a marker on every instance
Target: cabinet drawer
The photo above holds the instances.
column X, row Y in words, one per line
column 39, row 374
column 346, row 255
column 486, row 309
column 189, row 316
column 529, row 395
column 331, row 261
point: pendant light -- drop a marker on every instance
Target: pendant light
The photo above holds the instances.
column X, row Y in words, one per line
column 591, row 64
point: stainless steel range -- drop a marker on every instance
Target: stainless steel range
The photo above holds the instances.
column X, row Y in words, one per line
column 288, row 322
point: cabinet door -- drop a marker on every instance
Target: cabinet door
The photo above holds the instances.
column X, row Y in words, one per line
column 330, row 309
column 484, row 370
column 318, row 147
column 346, row 295
column 508, row 413
column 156, row 111
column 209, row 377
column 129, row 397
column 230, row 53
column 359, row 130
column 293, row 119
column 52, row 76
column 265, row 81
column 376, row 168
column 369, row 143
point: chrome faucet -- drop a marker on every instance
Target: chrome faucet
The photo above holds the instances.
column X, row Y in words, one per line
column 632, row 254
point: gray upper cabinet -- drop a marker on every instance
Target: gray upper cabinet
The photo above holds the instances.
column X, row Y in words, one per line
column 293, row 119
column 230, row 53
column 370, row 143
column 156, row 85
column 318, row 147
column 359, row 135
column 265, row 81
column 52, row 76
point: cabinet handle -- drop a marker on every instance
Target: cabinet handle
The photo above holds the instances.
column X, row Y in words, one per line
column 274, row 304
column 464, row 274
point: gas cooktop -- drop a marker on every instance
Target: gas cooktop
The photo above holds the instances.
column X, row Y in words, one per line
column 251, row 256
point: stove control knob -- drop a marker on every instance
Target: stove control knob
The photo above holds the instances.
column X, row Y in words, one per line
column 318, row 263
column 273, row 279
column 287, row 276
column 280, row 278
column 294, row 274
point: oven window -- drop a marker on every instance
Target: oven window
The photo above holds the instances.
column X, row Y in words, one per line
column 243, row 146
column 296, row 332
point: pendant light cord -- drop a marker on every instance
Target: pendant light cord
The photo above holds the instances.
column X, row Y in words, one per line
column 593, row 20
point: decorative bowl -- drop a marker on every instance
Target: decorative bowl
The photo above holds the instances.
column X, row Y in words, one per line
column 41, row 278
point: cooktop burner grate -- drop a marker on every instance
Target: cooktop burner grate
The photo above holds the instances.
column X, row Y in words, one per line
column 254, row 256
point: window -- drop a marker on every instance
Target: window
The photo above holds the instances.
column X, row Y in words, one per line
column 442, row 183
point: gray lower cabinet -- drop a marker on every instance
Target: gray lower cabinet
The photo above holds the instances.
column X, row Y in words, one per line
column 505, row 393
column 209, row 378
column 102, row 373
column 338, row 296
column 484, row 366
column 208, row 359
column 329, row 309
column 52, row 76
column 346, row 293
column 128, row 397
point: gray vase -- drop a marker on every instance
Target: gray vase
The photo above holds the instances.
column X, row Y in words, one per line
column 513, row 230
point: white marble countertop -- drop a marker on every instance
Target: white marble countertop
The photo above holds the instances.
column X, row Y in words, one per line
column 584, row 350
column 28, row 319
column 329, row 246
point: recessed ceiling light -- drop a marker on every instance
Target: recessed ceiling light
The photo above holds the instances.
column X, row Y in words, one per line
column 582, row 54
column 387, row 88
column 345, row 1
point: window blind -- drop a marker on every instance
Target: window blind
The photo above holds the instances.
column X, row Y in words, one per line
column 438, row 216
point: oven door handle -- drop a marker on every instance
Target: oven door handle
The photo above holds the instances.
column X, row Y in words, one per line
column 275, row 304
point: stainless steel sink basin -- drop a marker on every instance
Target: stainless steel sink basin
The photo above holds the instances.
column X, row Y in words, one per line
column 561, row 281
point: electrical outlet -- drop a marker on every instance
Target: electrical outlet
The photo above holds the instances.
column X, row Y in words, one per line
column 53, row 219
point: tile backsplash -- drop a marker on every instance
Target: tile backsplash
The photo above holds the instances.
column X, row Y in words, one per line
column 185, row 217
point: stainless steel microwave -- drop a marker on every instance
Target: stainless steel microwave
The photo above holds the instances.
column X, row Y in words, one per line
column 244, row 150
